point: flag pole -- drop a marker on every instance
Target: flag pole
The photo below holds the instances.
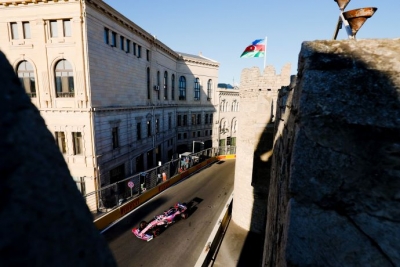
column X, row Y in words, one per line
column 265, row 53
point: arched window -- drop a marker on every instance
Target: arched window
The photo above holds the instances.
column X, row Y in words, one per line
column 26, row 76
column 148, row 83
column 64, row 79
column 182, row 88
column 197, row 89
column 209, row 89
column 165, row 85
column 234, row 125
column 173, row 87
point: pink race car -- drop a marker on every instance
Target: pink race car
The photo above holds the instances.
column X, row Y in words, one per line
column 148, row 230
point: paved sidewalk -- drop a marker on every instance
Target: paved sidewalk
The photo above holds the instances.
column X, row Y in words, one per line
column 240, row 248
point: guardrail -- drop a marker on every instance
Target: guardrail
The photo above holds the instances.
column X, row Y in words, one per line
column 114, row 195
column 216, row 237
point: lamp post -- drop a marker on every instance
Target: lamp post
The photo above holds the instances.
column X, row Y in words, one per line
column 196, row 142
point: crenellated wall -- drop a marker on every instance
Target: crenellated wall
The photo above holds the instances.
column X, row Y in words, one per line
column 258, row 94
column 335, row 181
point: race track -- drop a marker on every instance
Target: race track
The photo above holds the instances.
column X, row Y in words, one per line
column 181, row 243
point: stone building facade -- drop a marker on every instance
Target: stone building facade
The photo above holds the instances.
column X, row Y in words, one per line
column 226, row 121
column 117, row 100
column 258, row 97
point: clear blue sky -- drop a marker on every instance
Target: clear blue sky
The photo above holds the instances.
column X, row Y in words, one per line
column 222, row 29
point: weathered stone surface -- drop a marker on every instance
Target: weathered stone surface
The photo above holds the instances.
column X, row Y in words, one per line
column 258, row 93
column 335, row 183
column 44, row 219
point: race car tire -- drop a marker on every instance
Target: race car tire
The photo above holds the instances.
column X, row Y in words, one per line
column 156, row 232
column 184, row 215
column 142, row 225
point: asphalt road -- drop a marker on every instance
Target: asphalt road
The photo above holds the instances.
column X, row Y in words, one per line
column 181, row 243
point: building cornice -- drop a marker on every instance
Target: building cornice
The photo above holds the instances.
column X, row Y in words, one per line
column 228, row 92
column 26, row 2
column 198, row 61
column 114, row 15
column 131, row 26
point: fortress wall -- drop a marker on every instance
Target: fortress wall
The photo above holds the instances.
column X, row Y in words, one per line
column 258, row 94
column 335, row 181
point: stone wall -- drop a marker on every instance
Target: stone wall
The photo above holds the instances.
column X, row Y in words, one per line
column 258, row 93
column 335, row 180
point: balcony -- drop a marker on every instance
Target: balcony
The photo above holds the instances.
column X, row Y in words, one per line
column 65, row 94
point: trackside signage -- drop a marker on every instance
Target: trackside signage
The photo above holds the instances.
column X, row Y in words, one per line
column 163, row 186
column 129, row 206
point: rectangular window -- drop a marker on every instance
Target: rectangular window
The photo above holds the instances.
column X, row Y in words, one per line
column 70, row 84
column 148, row 128
column 27, row 30
column 60, row 141
column 67, row 28
column 198, row 118
column 117, row 174
column 193, row 134
column 211, row 118
column 77, row 141
column 193, row 119
column 122, row 42
column 206, row 133
column 106, row 36
column 113, row 39
column 148, row 54
column 157, row 126
column 139, row 52
column 206, row 119
column 210, row 132
column 169, row 122
column 179, row 120
column 198, row 134
column 233, row 141
column 128, row 46
column 134, row 49
column 53, row 28
column 14, row 30
column 184, row 120
column 139, row 131
column 115, row 137
column 185, row 136
column 179, row 136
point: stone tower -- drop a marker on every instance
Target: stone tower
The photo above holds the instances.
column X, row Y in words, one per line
column 258, row 95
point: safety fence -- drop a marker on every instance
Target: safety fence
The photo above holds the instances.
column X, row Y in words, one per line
column 112, row 196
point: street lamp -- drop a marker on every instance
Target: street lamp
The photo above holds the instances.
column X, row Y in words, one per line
column 196, row 142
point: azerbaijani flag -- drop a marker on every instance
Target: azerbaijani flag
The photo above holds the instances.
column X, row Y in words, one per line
column 256, row 49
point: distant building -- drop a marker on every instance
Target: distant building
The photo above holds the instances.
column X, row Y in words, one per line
column 225, row 86
column 226, row 124
column 116, row 99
